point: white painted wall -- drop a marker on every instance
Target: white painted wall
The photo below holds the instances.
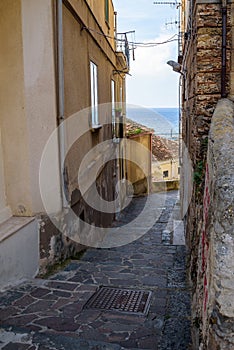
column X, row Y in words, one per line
column 19, row 252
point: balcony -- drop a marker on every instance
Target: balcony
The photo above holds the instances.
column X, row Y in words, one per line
column 122, row 51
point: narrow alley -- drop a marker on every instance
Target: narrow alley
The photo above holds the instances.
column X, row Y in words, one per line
column 61, row 312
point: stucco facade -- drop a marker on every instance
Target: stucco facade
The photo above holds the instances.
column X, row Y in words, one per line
column 47, row 50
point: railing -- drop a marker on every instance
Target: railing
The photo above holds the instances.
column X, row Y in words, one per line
column 123, row 46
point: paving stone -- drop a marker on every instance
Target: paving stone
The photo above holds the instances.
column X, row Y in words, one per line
column 71, row 310
column 129, row 344
column 63, row 294
column 86, row 288
column 24, row 301
column 61, row 285
column 60, row 303
column 150, row 342
column 16, row 346
column 8, row 312
column 40, row 292
column 117, row 337
column 20, row 320
column 55, row 306
column 9, row 297
column 58, row 323
column 157, row 281
column 38, row 306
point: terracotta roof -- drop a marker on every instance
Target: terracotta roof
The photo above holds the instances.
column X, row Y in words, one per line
column 162, row 148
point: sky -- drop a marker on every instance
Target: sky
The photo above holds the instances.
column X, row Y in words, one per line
column 152, row 82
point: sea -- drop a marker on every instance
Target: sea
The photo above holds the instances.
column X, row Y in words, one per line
column 164, row 121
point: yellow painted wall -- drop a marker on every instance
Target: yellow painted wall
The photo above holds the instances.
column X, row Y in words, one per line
column 28, row 80
column 169, row 165
column 27, row 98
column 139, row 159
column 80, row 48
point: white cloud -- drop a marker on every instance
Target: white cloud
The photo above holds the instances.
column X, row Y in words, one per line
column 152, row 61
column 153, row 83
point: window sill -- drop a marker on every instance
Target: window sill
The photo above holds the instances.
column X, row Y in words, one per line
column 96, row 127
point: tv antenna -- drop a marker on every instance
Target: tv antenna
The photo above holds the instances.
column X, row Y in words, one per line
column 172, row 3
column 177, row 5
column 173, row 24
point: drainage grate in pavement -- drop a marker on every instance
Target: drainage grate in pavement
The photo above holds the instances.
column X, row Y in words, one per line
column 124, row 300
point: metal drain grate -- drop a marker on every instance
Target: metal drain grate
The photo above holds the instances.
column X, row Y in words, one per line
column 124, row 300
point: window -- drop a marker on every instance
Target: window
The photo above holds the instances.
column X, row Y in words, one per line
column 107, row 11
column 94, row 93
column 113, row 107
column 178, row 170
column 165, row 173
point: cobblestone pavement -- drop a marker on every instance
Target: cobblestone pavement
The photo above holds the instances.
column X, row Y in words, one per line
column 49, row 314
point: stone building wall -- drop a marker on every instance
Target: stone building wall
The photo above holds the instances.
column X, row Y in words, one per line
column 213, row 306
column 200, row 93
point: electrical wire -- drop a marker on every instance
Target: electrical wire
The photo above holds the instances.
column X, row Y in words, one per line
column 134, row 43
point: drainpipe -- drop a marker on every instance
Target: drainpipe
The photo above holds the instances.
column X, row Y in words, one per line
column 60, row 70
column 224, row 49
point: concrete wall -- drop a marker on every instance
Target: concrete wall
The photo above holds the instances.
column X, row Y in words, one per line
column 213, row 304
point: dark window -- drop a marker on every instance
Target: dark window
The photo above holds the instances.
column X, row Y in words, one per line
column 107, row 11
column 179, row 171
column 165, row 173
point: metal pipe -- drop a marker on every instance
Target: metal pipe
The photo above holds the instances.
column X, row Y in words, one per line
column 115, row 21
column 60, row 69
column 224, row 49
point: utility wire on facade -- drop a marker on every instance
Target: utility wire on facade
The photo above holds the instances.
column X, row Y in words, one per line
column 136, row 44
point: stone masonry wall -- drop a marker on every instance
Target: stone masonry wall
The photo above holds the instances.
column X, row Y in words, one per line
column 202, row 85
column 215, row 284
column 201, row 92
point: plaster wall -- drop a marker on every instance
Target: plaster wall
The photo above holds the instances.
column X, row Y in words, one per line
column 19, row 253
column 28, row 99
column 40, row 95
column 5, row 211
column 139, row 165
column 12, row 113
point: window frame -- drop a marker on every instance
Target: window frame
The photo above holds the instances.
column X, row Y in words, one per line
column 94, row 93
column 113, row 107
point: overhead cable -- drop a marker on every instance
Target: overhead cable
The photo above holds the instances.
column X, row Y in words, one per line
column 135, row 44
